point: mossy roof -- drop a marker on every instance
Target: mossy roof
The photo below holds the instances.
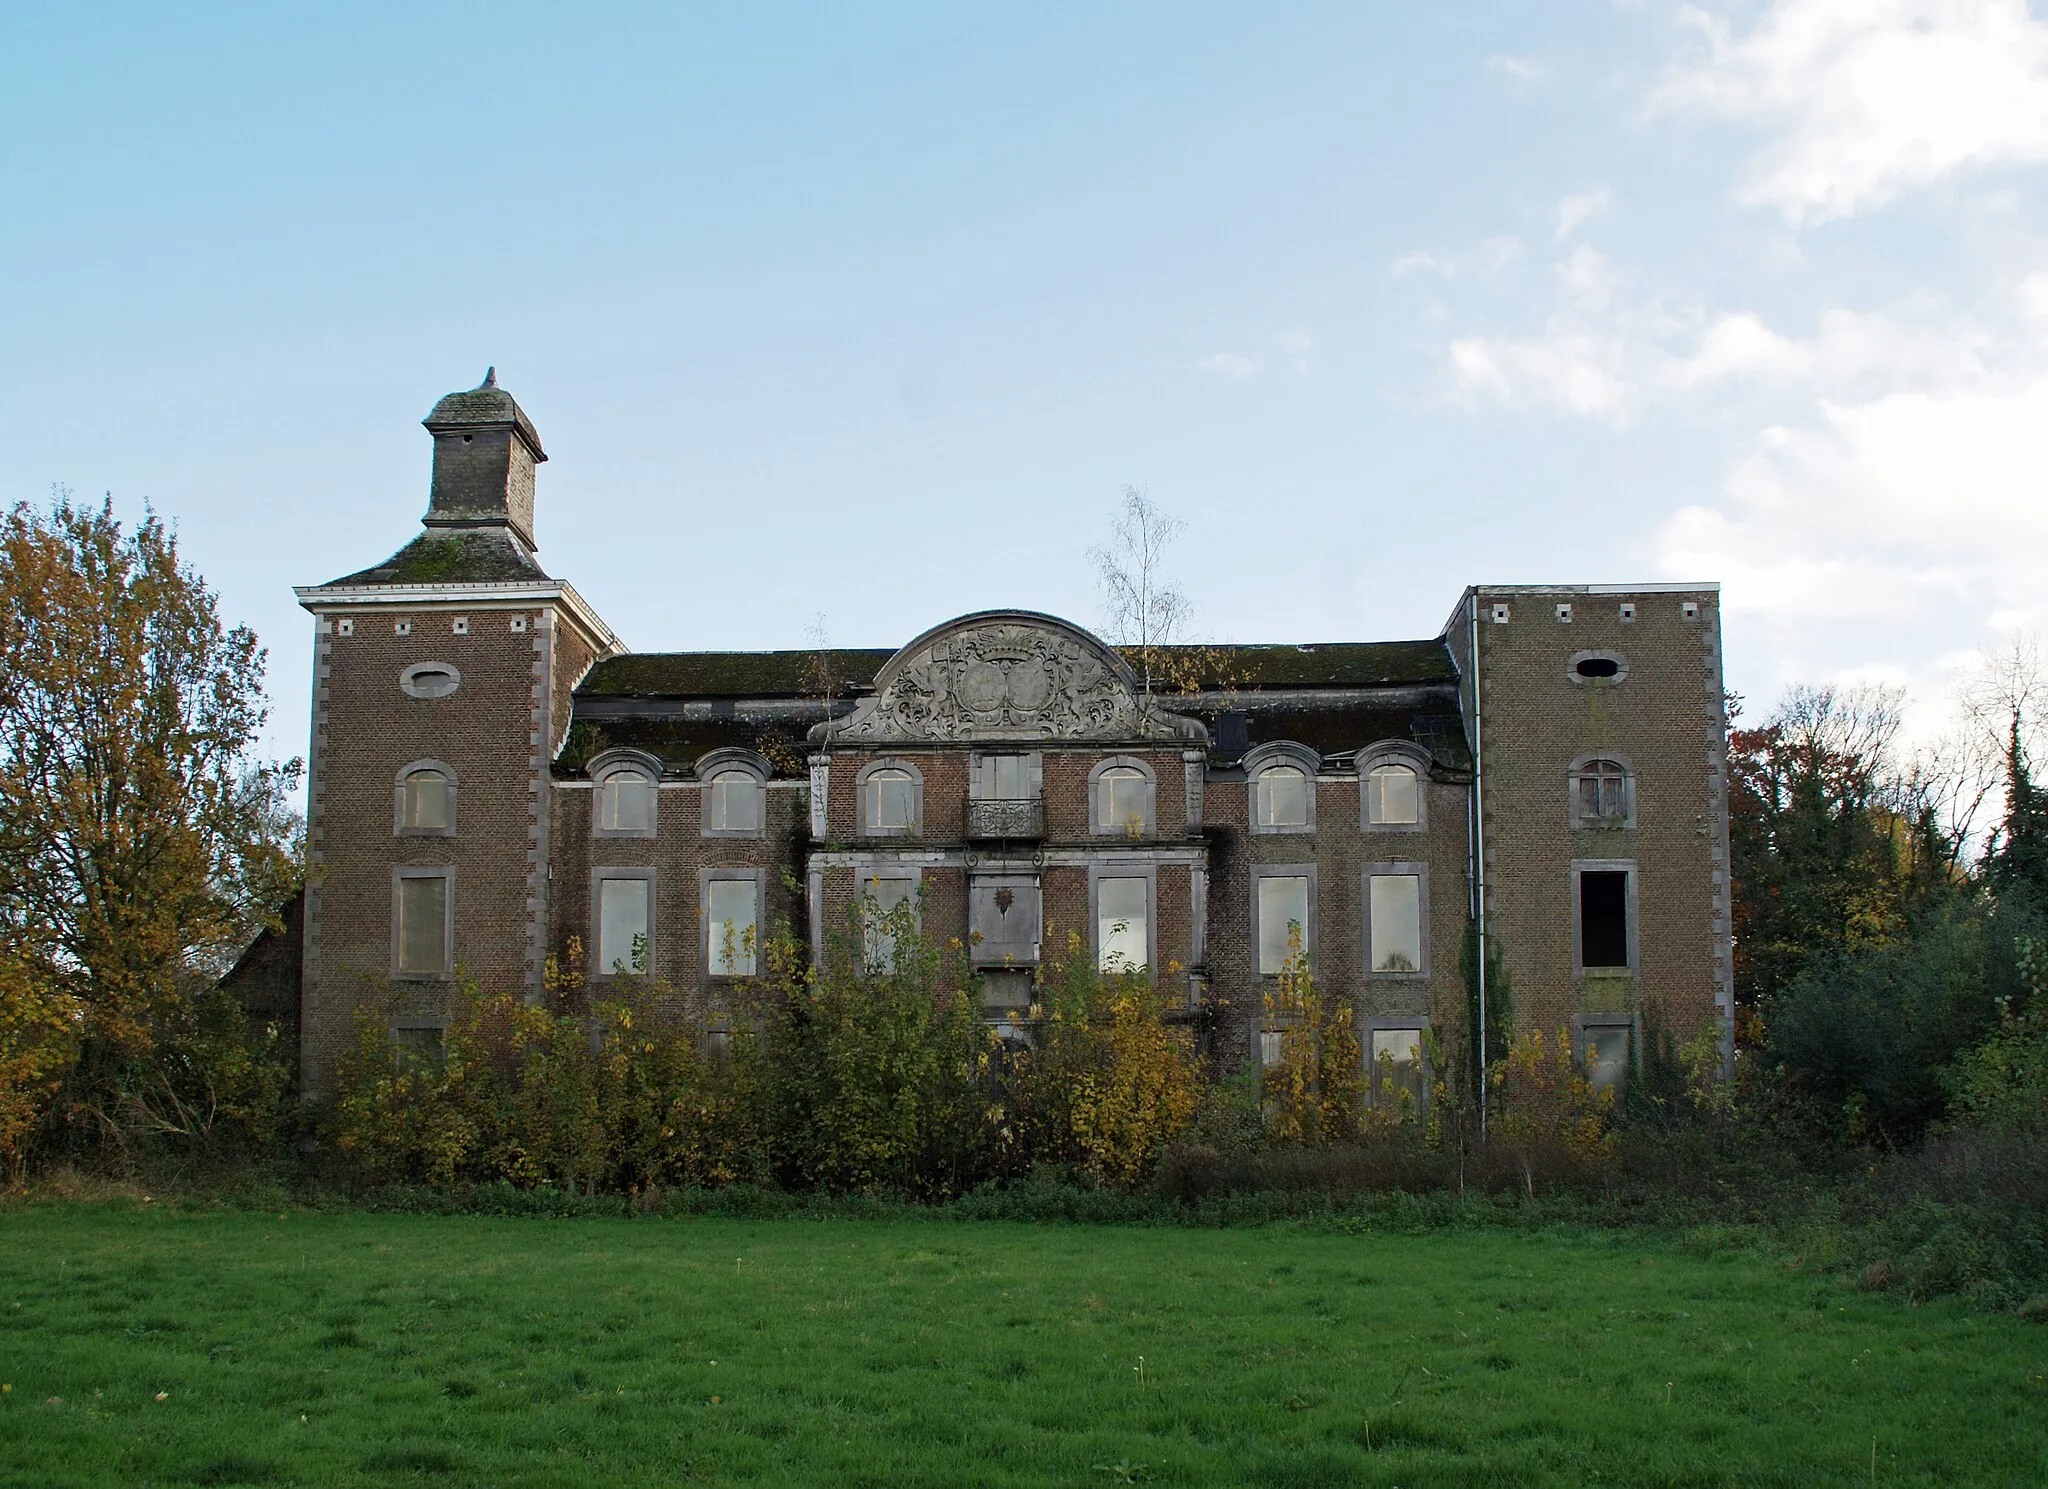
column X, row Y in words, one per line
column 794, row 674
column 459, row 555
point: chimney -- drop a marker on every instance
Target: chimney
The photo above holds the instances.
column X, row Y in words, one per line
column 485, row 449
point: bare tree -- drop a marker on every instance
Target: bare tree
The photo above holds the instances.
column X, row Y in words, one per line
column 1143, row 609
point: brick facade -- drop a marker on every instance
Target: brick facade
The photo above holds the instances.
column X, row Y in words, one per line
column 531, row 705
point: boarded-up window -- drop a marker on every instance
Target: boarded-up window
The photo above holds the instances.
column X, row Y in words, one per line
column 429, row 801
column 735, row 802
column 882, row 916
column 1396, row 929
column 1281, row 793
column 423, row 925
column 1122, row 943
column 622, row 925
column 1003, row 914
column 1283, row 917
column 1601, row 791
column 731, row 920
column 1603, row 918
column 626, row 802
column 1005, row 778
column 1390, row 796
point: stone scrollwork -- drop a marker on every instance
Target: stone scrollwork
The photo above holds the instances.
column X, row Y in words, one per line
column 1011, row 676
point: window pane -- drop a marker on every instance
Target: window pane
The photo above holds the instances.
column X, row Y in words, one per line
column 1606, row 1052
column 1120, row 939
column 423, row 925
column 879, row 897
column 892, row 799
column 731, row 919
column 1283, row 797
column 628, row 804
column 1390, row 795
column 735, row 802
column 1402, row 1046
column 1603, row 918
column 1006, row 778
column 622, row 925
column 1120, row 800
column 1281, row 901
column 1396, row 1064
column 1397, row 922
column 427, row 803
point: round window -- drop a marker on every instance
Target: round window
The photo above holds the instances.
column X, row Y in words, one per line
column 1597, row 668
column 429, row 680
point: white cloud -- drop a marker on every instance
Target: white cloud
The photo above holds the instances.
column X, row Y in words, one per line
column 1582, row 207
column 1481, row 261
column 1232, row 364
column 1520, row 69
column 1868, row 99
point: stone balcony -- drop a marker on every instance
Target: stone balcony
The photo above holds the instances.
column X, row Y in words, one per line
column 1015, row 821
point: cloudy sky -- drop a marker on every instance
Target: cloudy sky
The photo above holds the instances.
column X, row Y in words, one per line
column 870, row 312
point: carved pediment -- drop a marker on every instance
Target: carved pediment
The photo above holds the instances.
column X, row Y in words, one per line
column 1007, row 675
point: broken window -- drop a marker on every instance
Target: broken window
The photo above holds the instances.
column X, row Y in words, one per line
column 731, row 922
column 891, row 800
column 1600, row 791
column 1122, row 910
column 429, row 802
column 1395, row 933
column 1122, row 799
column 881, row 898
column 1283, row 917
column 735, row 804
column 1281, row 793
column 1390, row 796
column 626, row 802
column 423, row 925
column 623, row 907
column 1603, row 918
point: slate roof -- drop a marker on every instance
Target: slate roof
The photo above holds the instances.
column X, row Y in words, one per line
column 461, row 555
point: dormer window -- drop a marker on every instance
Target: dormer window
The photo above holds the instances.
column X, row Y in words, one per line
column 1280, row 797
column 1391, row 796
column 627, row 785
column 734, row 801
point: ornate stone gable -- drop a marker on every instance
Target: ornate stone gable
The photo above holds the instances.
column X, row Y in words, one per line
column 1007, row 675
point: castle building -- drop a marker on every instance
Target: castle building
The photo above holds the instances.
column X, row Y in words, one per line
column 492, row 773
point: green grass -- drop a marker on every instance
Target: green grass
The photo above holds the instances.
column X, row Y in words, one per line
column 352, row 1348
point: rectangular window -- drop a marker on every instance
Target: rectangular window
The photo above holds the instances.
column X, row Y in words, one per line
column 1121, row 942
column 623, row 914
column 1283, row 915
column 1006, row 778
column 1603, row 918
column 423, row 925
column 881, row 898
column 1397, row 1068
column 732, row 919
column 1396, row 930
column 1003, row 917
column 1604, row 1048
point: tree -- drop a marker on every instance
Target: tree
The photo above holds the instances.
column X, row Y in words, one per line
column 1145, row 611
column 142, row 839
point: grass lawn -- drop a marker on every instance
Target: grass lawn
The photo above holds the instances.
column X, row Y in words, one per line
column 228, row 1348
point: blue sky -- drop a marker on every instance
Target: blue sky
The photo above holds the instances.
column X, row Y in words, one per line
column 871, row 312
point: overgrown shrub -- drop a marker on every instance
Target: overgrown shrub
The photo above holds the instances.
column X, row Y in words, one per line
column 1315, row 1085
column 1545, row 1119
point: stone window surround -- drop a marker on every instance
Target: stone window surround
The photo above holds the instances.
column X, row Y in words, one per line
column 1308, row 931
column 1149, row 827
column 1584, row 1023
column 1395, row 869
column 733, row 757
column 1605, row 865
column 1368, row 1027
column 618, row 762
column 1578, row 823
column 406, row 772
column 1596, row 654
column 408, row 680
column 1394, row 752
column 870, row 866
column 863, row 827
column 759, row 879
column 597, row 878
column 402, row 872
column 1135, row 868
column 1280, row 752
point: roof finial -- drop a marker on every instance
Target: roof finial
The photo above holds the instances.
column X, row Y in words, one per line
column 490, row 378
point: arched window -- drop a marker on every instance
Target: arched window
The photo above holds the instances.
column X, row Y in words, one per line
column 1601, row 793
column 625, row 802
column 1123, row 796
column 733, row 801
column 891, row 800
column 424, row 800
column 1280, row 797
column 1392, row 795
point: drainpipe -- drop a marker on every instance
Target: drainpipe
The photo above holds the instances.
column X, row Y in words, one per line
column 1479, row 847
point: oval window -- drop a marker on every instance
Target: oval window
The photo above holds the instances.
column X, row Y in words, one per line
column 1598, row 667
column 429, row 680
